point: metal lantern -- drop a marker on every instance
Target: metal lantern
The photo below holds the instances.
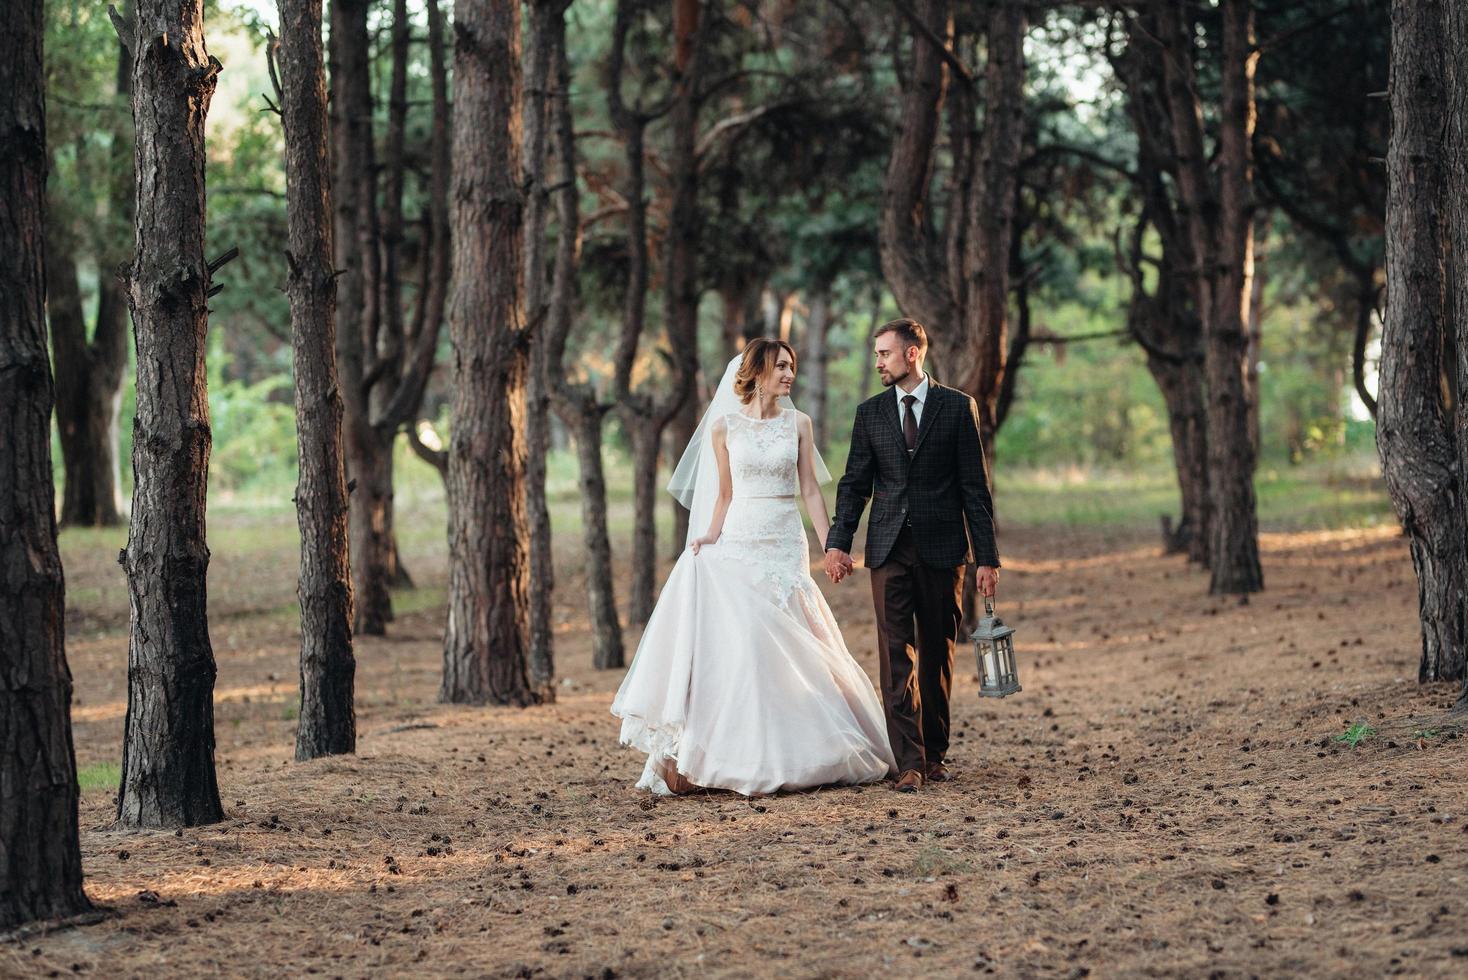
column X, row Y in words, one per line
column 994, row 649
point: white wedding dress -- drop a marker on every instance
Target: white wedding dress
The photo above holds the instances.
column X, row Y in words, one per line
column 742, row 678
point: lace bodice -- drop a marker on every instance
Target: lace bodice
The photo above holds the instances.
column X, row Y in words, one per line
column 762, row 528
column 763, row 454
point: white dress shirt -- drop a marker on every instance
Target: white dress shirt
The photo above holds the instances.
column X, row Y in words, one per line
column 920, row 393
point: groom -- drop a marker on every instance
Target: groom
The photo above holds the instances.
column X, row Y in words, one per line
column 915, row 452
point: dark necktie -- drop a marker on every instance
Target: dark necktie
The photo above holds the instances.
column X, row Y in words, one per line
column 909, row 422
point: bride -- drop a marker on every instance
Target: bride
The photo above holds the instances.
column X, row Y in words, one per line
column 742, row 680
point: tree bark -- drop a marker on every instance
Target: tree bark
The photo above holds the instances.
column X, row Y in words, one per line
column 89, row 375
column 1414, row 427
column 88, row 388
column 1179, row 377
column 168, row 777
column 644, row 413
column 328, row 724
column 1254, row 344
column 489, row 610
column 546, row 16
column 408, row 403
column 1231, row 456
column 356, row 236
column 40, row 859
column 607, row 651
column 1217, row 223
column 390, row 345
column 680, row 261
column 577, row 402
column 913, row 260
column 642, row 592
column 991, row 222
column 954, row 278
column 389, row 352
column 1166, row 323
column 1456, row 200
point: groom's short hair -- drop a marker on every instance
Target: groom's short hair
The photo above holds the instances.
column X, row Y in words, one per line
column 908, row 330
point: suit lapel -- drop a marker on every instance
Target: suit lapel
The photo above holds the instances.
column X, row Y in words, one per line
column 887, row 408
column 931, row 407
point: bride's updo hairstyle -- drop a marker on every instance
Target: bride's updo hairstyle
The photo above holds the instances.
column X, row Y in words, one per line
column 760, row 355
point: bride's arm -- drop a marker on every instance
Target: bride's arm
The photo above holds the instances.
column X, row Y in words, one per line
column 719, row 437
column 810, row 486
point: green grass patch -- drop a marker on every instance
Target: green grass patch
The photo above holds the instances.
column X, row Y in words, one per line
column 1341, row 494
column 418, row 599
column 1356, row 734
column 100, row 775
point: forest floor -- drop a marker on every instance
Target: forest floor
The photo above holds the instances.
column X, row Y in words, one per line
column 1170, row 795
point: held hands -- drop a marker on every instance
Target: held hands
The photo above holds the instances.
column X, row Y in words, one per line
column 838, row 564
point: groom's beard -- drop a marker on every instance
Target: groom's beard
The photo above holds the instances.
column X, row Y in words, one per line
column 888, row 380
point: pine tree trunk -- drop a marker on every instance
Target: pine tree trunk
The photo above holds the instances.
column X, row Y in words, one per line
column 577, row 403
column 390, row 349
column 1414, row 428
column 680, row 262
column 355, row 242
column 328, row 724
column 88, row 390
column 642, row 592
column 401, row 409
column 89, row 375
column 372, row 545
column 607, row 652
column 1181, row 385
column 1235, row 532
column 913, row 263
column 1456, row 211
column 40, row 857
column 1254, row 334
column 489, row 610
column 168, row 777
column 1165, row 322
column 1218, row 227
column 543, row 15
column 645, row 414
column 390, row 344
column 989, row 236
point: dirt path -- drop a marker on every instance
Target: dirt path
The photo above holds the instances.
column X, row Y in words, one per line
column 1165, row 798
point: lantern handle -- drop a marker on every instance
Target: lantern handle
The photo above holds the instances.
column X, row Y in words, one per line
column 988, row 605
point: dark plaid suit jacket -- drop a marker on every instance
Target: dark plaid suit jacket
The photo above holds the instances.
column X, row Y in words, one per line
column 940, row 489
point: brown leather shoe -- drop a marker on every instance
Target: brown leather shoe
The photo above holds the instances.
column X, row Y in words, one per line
column 909, row 782
column 938, row 773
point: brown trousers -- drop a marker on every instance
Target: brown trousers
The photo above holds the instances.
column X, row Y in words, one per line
column 919, row 611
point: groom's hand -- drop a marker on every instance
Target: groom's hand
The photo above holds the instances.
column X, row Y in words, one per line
column 987, row 580
column 838, row 564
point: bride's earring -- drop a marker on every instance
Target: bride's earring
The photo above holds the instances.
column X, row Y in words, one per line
column 759, row 390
